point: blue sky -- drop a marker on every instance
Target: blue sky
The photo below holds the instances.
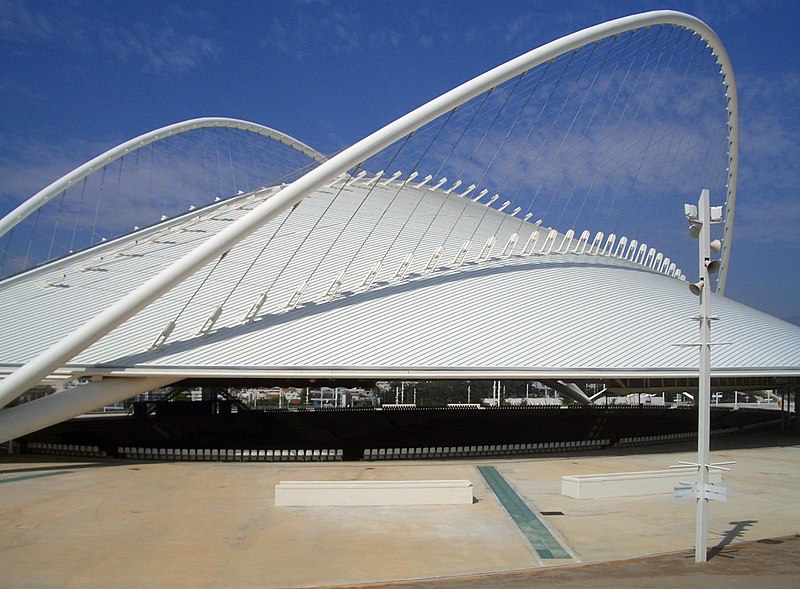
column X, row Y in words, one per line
column 79, row 77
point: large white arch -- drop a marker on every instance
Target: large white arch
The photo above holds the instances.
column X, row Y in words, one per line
column 39, row 199
column 45, row 363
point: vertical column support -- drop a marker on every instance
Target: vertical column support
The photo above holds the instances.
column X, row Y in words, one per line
column 704, row 383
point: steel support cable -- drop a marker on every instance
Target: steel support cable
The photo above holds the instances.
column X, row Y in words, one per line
column 116, row 207
column 497, row 151
column 36, row 218
column 99, row 198
column 119, row 184
column 6, row 251
column 619, row 88
column 222, row 191
column 468, row 127
column 687, row 76
column 206, row 165
column 605, row 150
column 346, row 269
column 310, row 231
column 519, row 78
column 511, row 128
column 92, row 166
column 613, row 47
column 197, row 289
column 530, row 167
column 279, row 152
column 631, row 93
column 182, row 156
column 422, row 197
column 576, row 115
column 634, row 58
column 233, row 168
column 54, row 234
column 249, row 163
column 240, row 167
column 508, row 133
column 479, row 105
column 344, row 225
column 480, row 143
column 78, row 214
column 619, row 124
column 588, row 191
column 650, row 197
column 547, row 137
column 441, row 167
column 136, row 181
column 257, row 257
column 525, row 104
column 600, row 100
column 549, row 63
column 442, row 164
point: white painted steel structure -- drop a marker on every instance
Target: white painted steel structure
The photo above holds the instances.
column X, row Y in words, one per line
column 41, row 198
column 561, row 309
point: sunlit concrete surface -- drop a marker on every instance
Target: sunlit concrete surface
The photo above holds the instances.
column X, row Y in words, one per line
column 126, row 524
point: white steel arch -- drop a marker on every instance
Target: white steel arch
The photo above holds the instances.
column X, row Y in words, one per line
column 45, row 363
column 43, row 196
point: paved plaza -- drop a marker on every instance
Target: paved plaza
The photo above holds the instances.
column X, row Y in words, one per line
column 112, row 523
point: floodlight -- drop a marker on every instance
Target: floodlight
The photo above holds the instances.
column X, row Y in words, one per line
column 690, row 211
column 712, row 266
column 716, row 214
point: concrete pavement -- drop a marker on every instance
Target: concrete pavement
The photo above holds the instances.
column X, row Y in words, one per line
column 68, row 523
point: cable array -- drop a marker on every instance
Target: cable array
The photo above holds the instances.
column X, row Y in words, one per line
column 591, row 153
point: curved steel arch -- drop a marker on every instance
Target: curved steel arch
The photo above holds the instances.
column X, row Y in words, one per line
column 40, row 198
column 45, row 363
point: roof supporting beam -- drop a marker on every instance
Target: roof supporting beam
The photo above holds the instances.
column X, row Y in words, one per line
column 30, row 417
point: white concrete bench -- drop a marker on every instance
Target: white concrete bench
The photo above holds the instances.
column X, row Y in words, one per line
column 629, row 484
column 340, row 493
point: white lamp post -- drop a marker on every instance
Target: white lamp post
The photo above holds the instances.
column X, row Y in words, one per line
column 700, row 218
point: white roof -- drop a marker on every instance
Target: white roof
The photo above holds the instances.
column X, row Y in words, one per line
column 544, row 315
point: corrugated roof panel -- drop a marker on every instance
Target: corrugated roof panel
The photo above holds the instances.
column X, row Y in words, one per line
column 541, row 312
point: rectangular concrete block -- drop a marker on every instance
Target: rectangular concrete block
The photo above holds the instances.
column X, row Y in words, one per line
column 629, row 484
column 373, row 493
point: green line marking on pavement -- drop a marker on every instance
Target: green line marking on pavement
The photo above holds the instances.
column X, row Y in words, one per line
column 40, row 475
column 542, row 541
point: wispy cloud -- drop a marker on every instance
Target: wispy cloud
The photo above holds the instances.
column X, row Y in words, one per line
column 171, row 47
column 160, row 50
column 23, row 22
column 27, row 166
column 768, row 209
column 300, row 34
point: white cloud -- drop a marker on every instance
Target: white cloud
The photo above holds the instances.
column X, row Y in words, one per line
column 160, row 50
column 172, row 47
column 22, row 22
column 768, row 207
